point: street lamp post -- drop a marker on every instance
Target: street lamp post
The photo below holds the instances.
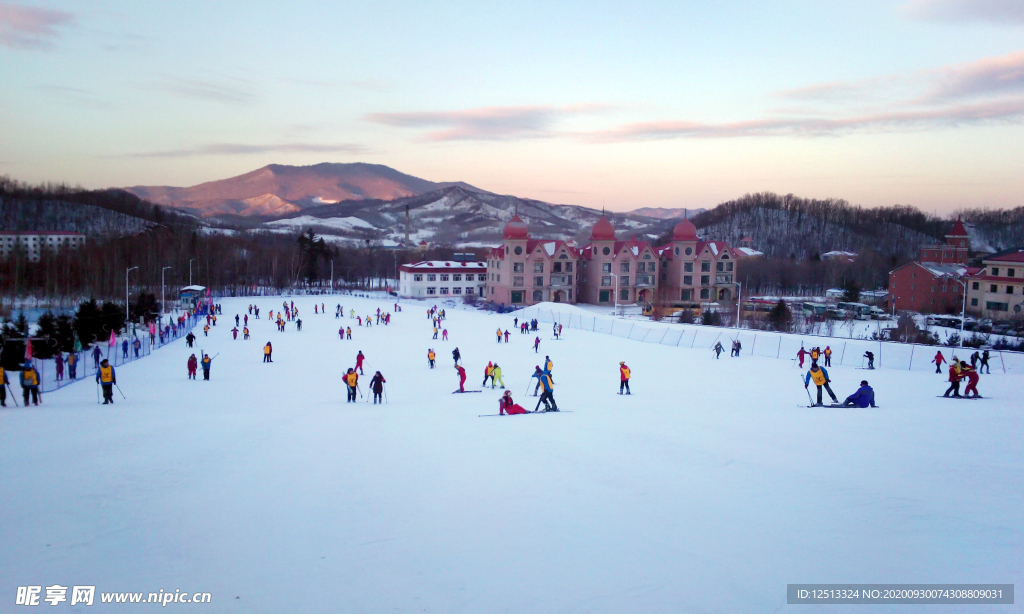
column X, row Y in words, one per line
column 127, row 311
column 739, row 303
column 332, row 277
column 163, row 292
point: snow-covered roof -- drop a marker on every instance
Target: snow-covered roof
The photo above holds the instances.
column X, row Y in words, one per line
column 944, row 270
column 193, row 288
column 746, row 251
column 838, row 254
column 434, row 265
column 550, row 246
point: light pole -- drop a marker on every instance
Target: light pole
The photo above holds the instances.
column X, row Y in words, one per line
column 739, row 303
column 127, row 312
column 190, row 270
column 163, row 294
column 963, row 311
column 332, row 277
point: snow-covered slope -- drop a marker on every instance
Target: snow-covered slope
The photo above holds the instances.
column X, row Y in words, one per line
column 707, row 490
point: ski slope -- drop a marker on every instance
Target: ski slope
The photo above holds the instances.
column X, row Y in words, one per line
column 707, row 490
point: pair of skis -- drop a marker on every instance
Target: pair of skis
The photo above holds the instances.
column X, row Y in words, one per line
column 561, row 411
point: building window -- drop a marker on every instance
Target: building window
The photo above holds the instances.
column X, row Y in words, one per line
column 603, row 296
column 994, row 306
column 538, row 296
column 444, row 276
column 538, row 281
column 606, row 280
column 720, row 267
column 623, row 295
column 431, row 290
column 974, row 302
column 431, row 277
column 995, row 271
column 705, row 267
column 624, row 267
column 492, row 276
column 570, row 294
column 456, row 290
column 686, row 295
column 687, row 280
column 469, row 290
column 729, row 265
column 624, row 280
column 688, row 267
column 1009, row 289
column 705, row 280
column 975, row 286
column 538, row 267
column 480, row 277
column 444, row 291
column 606, row 251
column 689, row 251
column 568, row 267
column 518, row 267
column 993, row 288
column 705, row 293
column 556, row 267
column 517, row 296
column 456, row 277
column 518, row 252
column 517, row 281
column 492, row 289
column 417, row 277
column 664, row 277
column 606, row 267
column 1011, row 272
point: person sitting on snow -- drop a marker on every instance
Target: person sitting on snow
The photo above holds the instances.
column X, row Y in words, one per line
column 507, row 406
column 864, row 397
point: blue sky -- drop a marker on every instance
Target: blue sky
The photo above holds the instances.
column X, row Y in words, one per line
column 623, row 105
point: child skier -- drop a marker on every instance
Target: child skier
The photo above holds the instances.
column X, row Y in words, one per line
column 193, row 364
column 938, row 360
column 487, row 374
column 871, row 359
column 821, row 380
column 536, row 344
column 245, row 333
column 954, row 378
column 507, row 406
column 547, row 397
column 718, row 349
column 267, row 351
column 800, row 354
column 828, row 355
column 205, row 363
column 106, row 378
column 624, row 375
column 430, row 357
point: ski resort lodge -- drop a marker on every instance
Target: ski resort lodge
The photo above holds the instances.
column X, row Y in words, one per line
column 441, row 279
column 683, row 273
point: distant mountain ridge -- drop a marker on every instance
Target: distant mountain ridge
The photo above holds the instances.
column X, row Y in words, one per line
column 663, row 213
column 278, row 189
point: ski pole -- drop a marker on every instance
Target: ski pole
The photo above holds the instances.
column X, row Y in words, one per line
column 97, row 392
column 13, row 398
column 385, row 394
column 119, row 390
column 809, row 399
column 360, row 390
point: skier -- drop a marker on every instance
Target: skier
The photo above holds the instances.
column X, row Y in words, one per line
column 487, row 374
column 499, row 335
column 548, row 365
column 245, row 320
column 496, row 377
column 215, row 320
column 298, row 324
column 507, row 406
column 430, row 357
column 107, row 379
column 456, row 356
column 444, row 335
column 736, row 347
column 938, row 360
column 348, row 333
column 624, row 375
column 549, row 390
column 800, row 354
column 718, row 349
column 267, row 352
column 462, row 378
column 972, row 380
column 506, row 336
column 984, row 363
column 136, row 346
column 864, row 397
column 554, row 330
column 377, row 386
column 72, row 365
column 559, row 331
column 341, row 333
column 828, row 355
column 821, row 380
column 435, row 333
column 190, row 339
column 359, row 362
column 975, row 357
column 124, row 349
column 871, row 359
column 234, row 333
column 536, row 344
column 245, row 333
column 3, row 386
column 954, row 378
column 96, row 353
column 206, row 330
column 351, row 380
column 193, row 364
column 515, row 321
column 58, row 363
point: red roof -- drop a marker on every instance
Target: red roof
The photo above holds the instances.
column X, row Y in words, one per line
column 684, row 231
column 515, row 229
column 1017, row 256
column 958, row 229
column 588, row 250
column 602, row 230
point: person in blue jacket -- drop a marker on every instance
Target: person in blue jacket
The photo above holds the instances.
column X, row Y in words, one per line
column 864, row 397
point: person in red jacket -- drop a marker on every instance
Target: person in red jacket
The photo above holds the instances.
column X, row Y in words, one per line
column 193, row 364
column 801, row 355
column 359, row 362
column 938, row 360
column 954, row 379
column 507, row 406
column 536, row 344
column 623, row 377
column 967, row 371
column 462, row 378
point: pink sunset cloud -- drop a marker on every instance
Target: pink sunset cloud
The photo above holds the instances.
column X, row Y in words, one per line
column 25, row 27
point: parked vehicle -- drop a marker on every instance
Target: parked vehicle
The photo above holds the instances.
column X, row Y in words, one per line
column 814, row 309
column 877, row 313
column 858, row 311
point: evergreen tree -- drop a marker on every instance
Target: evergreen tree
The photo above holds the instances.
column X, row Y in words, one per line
column 780, row 317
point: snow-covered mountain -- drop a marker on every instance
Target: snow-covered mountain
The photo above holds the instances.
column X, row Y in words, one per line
column 664, row 213
column 458, row 215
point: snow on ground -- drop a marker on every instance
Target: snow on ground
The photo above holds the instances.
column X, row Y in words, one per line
column 708, row 490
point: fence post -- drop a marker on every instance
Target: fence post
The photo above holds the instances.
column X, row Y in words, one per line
column 1002, row 362
column 634, row 324
column 911, row 357
column 694, row 338
column 752, row 344
column 843, row 354
column 779, row 352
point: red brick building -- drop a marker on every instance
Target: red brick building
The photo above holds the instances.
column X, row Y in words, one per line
column 933, row 284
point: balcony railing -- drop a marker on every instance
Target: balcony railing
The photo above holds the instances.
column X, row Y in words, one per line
column 644, row 281
column 561, row 281
column 723, row 279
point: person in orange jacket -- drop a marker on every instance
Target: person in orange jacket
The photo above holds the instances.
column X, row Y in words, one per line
column 487, row 373
column 623, row 377
column 351, row 380
column 938, row 360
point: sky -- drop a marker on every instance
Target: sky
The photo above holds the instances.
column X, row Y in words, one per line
column 606, row 104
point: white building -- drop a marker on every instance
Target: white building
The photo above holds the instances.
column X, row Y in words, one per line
column 442, row 279
column 33, row 243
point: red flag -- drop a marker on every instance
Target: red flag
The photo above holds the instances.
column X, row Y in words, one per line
column 28, row 350
column 113, row 338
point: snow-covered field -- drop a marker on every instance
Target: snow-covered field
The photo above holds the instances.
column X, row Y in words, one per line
column 707, row 490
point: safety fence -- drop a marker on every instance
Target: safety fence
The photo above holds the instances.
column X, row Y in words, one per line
column 59, row 371
column 846, row 352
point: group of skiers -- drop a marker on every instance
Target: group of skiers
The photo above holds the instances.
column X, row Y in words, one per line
column 864, row 397
column 959, row 371
column 817, row 353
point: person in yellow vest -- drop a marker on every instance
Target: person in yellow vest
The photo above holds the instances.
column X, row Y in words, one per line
column 496, row 377
column 351, row 380
column 814, row 355
column 348, row 333
column 487, row 374
column 106, row 378
column 206, row 333
column 623, row 377
column 3, row 387
column 821, row 380
column 267, row 351
column 828, row 356
column 215, row 320
column 499, row 335
column 245, row 333
column 30, row 383
column 430, row 357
